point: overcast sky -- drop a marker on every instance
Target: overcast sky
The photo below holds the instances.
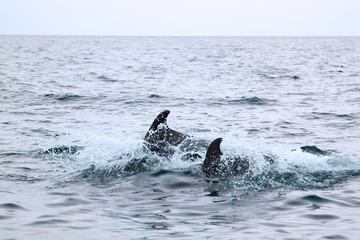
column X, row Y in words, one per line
column 181, row 17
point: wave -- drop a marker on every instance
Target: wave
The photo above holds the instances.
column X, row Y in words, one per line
column 252, row 101
column 155, row 96
column 106, row 79
column 243, row 101
column 64, row 97
column 318, row 115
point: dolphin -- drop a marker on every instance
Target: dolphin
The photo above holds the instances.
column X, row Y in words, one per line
column 214, row 165
column 159, row 138
column 162, row 140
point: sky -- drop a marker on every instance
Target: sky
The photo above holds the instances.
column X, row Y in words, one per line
column 181, row 17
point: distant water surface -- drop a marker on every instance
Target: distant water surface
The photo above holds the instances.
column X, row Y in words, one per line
column 74, row 110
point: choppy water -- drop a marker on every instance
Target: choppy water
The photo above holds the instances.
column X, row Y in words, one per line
column 74, row 111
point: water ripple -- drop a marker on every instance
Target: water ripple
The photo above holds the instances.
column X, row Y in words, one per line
column 69, row 202
column 87, row 101
column 11, row 206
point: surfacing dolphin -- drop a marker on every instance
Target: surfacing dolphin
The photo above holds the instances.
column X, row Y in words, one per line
column 214, row 165
column 162, row 140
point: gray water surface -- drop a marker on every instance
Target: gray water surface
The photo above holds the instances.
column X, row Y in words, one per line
column 95, row 98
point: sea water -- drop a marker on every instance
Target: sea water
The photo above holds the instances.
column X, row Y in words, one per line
column 74, row 111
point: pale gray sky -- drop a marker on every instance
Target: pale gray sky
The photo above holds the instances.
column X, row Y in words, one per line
column 181, row 17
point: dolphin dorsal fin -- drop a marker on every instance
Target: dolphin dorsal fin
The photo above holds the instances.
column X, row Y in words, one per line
column 160, row 119
column 156, row 134
column 213, row 156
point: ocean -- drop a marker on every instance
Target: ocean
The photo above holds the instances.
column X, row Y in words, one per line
column 74, row 111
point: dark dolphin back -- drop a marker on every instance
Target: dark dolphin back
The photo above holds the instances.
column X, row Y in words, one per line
column 159, row 135
column 211, row 164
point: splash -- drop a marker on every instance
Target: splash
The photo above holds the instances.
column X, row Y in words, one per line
column 97, row 157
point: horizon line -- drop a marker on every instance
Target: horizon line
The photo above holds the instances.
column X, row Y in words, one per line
column 110, row 35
